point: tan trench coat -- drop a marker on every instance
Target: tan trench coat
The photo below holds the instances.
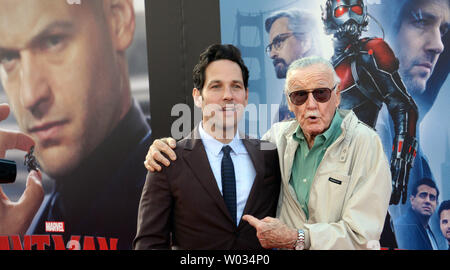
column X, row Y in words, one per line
column 350, row 192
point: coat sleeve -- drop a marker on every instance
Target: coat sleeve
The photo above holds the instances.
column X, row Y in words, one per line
column 268, row 136
column 365, row 205
column 153, row 230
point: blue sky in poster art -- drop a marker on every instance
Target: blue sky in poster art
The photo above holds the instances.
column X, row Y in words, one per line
column 228, row 11
column 273, row 86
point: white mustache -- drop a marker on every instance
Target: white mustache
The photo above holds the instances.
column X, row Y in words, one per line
column 312, row 114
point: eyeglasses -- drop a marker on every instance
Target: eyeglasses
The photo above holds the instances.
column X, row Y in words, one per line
column 321, row 95
column 278, row 41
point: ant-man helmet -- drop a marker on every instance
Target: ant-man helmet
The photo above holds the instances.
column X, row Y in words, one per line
column 345, row 18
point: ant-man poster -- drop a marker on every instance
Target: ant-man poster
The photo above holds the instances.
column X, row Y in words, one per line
column 392, row 59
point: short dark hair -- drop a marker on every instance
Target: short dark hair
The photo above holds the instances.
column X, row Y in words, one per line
column 218, row 52
column 445, row 205
column 425, row 181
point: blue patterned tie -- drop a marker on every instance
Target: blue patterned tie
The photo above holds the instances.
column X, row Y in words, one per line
column 229, row 182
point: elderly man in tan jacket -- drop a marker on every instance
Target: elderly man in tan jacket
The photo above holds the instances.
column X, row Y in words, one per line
column 336, row 182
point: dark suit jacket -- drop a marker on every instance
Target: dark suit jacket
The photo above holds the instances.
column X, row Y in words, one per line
column 182, row 207
column 410, row 233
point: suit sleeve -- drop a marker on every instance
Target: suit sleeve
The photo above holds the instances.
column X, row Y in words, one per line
column 154, row 216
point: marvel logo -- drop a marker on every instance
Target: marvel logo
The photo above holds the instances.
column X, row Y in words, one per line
column 54, row 226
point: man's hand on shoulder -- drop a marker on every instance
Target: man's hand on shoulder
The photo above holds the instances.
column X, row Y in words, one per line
column 155, row 156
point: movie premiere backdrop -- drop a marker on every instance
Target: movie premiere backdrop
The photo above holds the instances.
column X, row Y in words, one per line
column 243, row 24
column 175, row 39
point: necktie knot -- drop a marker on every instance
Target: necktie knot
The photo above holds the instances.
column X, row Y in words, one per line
column 226, row 150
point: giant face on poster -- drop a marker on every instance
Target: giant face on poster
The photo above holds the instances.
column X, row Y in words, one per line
column 75, row 100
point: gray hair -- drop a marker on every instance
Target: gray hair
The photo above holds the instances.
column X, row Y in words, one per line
column 299, row 21
column 309, row 61
column 302, row 22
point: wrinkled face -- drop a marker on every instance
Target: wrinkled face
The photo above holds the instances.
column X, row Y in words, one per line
column 223, row 97
column 424, row 203
column 57, row 66
column 314, row 117
column 418, row 43
column 445, row 224
column 291, row 47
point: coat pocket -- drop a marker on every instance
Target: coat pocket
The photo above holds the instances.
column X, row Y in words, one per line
column 336, row 189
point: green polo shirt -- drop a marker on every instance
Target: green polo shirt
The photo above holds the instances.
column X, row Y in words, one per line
column 307, row 160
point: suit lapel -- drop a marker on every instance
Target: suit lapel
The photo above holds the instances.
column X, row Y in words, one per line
column 195, row 157
column 257, row 157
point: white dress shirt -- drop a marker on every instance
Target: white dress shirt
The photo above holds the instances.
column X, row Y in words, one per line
column 243, row 167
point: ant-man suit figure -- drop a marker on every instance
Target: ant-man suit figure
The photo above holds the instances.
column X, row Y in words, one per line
column 368, row 70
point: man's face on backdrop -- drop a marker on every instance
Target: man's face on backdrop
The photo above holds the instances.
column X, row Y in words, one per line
column 58, row 67
column 290, row 48
column 444, row 221
column 424, row 203
column 418, row 42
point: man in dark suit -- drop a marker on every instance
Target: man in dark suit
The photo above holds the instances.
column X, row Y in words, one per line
column 412, row 230
column 198, row 202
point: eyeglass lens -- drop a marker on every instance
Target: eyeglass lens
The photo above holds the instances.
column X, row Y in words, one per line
column 321, row 95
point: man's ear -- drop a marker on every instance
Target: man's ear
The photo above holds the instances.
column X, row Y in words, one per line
column 197, row 96
column 306, row 44
column 338, row 95
column 411, row 198
column 122, row 22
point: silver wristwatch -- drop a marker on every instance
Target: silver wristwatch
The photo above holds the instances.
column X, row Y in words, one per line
column 300, row 243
